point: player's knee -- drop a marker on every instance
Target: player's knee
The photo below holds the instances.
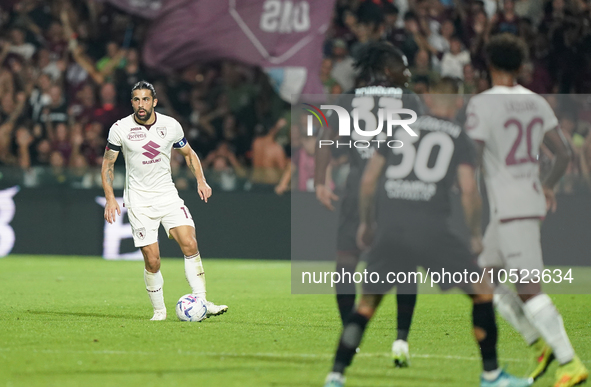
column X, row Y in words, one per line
column 189, row 246
column 152, row 264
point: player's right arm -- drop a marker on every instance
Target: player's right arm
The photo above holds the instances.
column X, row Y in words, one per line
column 322, row 157
column 114, row 146
column 108, row 175
column 558, row 145
column 367, row 192
column 472, row 205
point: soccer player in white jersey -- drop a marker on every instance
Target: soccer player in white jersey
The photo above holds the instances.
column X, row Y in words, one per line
column 146, row 140
column 509, row 123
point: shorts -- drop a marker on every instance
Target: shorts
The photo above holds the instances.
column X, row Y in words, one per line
column 146, row 220
column 405, row 247
column 348, row 225
column 512, row 245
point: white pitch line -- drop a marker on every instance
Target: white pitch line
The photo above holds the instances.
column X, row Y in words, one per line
column 264, row 354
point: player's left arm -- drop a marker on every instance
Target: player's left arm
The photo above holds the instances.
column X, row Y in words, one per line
column 194, row 165
column 367, row 191
column 472, row 204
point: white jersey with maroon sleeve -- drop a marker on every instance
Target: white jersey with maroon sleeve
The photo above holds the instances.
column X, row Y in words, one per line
column 147, row 150
column 511, row 122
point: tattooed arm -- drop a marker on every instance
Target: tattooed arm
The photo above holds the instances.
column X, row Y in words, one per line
column 194, row 165
column 108, row 175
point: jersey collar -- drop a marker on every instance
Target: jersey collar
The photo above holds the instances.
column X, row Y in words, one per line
column 146, row 126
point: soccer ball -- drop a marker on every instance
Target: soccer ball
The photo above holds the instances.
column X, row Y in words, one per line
column 191, row 308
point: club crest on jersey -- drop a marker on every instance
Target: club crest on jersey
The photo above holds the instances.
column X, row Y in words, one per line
column 161, row 131
column 140, row 233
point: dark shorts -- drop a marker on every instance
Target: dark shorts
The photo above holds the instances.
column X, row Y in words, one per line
column 403, row 247
column 348, row 225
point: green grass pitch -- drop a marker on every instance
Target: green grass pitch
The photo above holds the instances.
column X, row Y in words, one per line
column 67, row 321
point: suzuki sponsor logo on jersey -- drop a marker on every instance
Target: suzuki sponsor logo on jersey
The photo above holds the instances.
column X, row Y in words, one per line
column 136, row 136
column 151, row 152
column 390, row 115
column 161, row 131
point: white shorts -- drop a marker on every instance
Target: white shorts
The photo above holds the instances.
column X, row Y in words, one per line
column 146, row 220
column 513, row 245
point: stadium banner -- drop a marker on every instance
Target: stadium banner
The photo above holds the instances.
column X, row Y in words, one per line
column 65, row 221
column 381, row 155
column 284, row 37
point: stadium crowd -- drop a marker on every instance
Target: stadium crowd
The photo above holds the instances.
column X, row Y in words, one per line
column 66, row 68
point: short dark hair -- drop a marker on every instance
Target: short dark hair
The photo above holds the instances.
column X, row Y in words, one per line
column 506, row 52
column 144, row 85
column 390, row 9
column 370, row 13
column 374, row 57
column 410, row 15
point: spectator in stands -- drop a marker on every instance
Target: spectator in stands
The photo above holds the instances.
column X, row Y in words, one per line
column 42, row 153
column 342, row 65
column 439, row 42
column 225, row 169
column 60, row 140
column 468, row 86
column 49, row 66
column 369, row 27
column 57, row 110
column 421, row 71
column 18, row 44
column 94, row 143
column 453, row 62
column 238, row 92
column 56, row 40
column 505, row 20
column 129, row 75
column 24, row 140
column 325, row 77
column 535, row 78
column 79, row 174
column 391, row 13
column 40, row 97
column 303, row 165
column 268, row 157
column 58, row 173
column 410, row 40
column 482, row 84
column 112, row 53
column 84, row 105
column 108, row 112
column 479, row 35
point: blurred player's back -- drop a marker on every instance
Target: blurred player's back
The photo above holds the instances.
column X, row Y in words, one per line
column 512, row 122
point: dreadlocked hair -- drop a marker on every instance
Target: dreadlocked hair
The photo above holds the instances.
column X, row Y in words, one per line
column 375, row 56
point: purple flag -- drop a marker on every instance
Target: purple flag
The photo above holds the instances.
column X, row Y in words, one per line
column 284, row 37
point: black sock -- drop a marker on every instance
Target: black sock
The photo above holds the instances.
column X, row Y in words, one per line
column 406, row 307
column 346, row 304
column 350, row 339
column 346, row 292
column 483, row 318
